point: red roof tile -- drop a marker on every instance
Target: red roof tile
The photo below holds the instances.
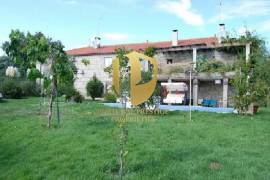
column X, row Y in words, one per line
column 109, row 49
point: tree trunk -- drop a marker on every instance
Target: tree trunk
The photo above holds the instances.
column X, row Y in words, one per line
column 40, row 98
column 51, row 105
column 57, row 107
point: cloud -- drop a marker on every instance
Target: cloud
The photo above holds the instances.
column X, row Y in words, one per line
column 115, row 36
column 243, row 8
column 183, row 10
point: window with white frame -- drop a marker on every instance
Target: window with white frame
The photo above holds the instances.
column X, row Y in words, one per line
column 107, row 61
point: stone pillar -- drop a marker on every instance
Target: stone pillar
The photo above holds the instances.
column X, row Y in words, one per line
column 225, row 92
column 247, row 52
column 195, row 92
column 194, row 57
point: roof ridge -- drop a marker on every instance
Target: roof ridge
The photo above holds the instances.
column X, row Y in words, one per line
column 154, row 42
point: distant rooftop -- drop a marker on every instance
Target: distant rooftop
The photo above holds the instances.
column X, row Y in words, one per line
column 110, row 49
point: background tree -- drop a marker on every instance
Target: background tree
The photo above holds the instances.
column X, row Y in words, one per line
column 5, row 61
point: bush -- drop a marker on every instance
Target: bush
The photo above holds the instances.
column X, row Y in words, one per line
column 78, row 98
column 70, row 93
column 94, row 88
column 30, row 88
column 110, row 97
column 11, row 89
column 67, row 90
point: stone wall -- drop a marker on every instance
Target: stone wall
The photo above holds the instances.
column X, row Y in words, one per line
column 210, row 90
column 85, row 73
column 184, row 58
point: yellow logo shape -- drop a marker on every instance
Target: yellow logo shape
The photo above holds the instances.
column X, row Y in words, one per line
column 139, row 92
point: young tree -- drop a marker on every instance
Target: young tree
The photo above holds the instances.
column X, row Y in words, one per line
column 62, row 71
column 27, row 50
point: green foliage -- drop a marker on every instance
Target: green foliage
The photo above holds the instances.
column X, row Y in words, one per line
column 26, row 50
column 242, row 97
column 110, row 97
column 94, row 88
column 86, row 62
column 77, row 97
column 108, row 69
column 66, row 90
column 150, row 51
column 62, row 69
column 70, row 93
column 5, row 61
column 260, row 91
column 251, row 82
column 16, row 88
column 175, row 69
column 10, row 88
column 29, row 88
column 121, row 55
column 212, row 66
column 33, row 74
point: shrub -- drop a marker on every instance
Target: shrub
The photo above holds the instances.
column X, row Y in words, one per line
column 68, row 90
column 77, row 97
column 70, row 93
column 94, row 88
column 11, row 89
column 110, row 97
column 30, row 88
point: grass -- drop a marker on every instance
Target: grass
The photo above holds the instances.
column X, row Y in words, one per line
column 213, row 146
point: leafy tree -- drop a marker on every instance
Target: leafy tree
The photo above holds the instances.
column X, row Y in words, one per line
column 62, row 71
column 5, row 61
column 146, row 77
column 251, row 81
column 26, row 51
column 16, row 49
column 94, row 88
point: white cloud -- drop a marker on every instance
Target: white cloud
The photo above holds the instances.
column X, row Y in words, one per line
column 183, row 10
column 243, row 8
column 115, row 36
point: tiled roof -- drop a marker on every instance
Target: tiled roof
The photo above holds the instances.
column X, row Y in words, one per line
column 109, row 49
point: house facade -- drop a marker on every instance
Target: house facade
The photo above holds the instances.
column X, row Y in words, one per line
column 175, row 58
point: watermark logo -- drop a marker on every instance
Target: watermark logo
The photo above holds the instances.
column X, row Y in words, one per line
column 139, row 92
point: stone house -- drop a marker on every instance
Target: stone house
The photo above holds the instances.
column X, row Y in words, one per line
column 175, row 59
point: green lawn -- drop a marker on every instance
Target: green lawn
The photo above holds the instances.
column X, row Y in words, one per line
column 213, row 146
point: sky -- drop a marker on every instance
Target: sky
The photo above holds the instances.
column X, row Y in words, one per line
column 75, row 22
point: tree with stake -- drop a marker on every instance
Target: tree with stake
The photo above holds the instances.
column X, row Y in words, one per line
column 27, row 50
column 61, row 71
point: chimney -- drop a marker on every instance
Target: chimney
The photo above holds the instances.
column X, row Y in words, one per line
column 175, row 38
column 96, row 42
column 222, row 32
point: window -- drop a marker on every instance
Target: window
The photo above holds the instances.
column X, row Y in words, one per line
column 169, row 61
column 107, row 61
column 144, row 65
